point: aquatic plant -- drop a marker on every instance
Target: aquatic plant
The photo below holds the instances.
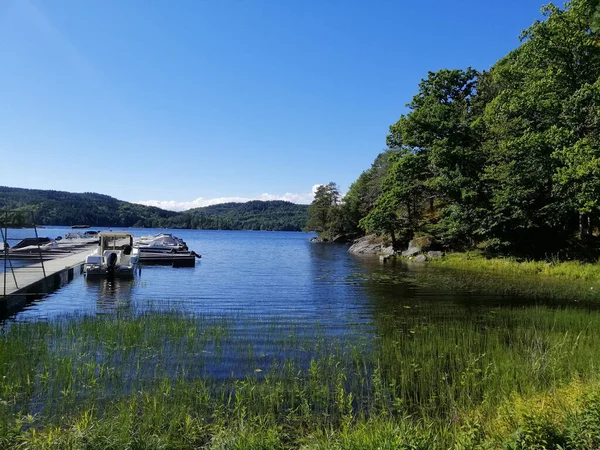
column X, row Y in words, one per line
column 165, row 379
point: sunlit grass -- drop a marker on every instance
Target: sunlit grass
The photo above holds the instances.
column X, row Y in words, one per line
column 173, row 380
column 567, row 270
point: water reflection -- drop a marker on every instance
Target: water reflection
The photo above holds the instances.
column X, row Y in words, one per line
column 111, row 294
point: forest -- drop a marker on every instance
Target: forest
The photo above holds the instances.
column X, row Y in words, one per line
column 66, row 208
column 505, row 160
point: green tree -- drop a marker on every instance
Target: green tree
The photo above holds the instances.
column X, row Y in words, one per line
column 398, row 211
column 528, row 121
column 364, row 192
column 323, row 216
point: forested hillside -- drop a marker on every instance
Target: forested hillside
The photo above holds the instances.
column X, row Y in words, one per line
column 506, row 160
column 65, row 208
column 254, row 215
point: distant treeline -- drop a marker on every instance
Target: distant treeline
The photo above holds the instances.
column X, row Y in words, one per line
column 506, row 160
column 65, row 208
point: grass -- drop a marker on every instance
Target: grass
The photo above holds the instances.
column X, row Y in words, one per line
column 477, row 261
column 169, row 380
column 517, row 282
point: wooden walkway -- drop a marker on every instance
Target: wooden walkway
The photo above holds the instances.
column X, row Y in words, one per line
column 28, row 277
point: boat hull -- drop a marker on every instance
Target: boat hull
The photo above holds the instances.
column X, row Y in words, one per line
column 94, row 271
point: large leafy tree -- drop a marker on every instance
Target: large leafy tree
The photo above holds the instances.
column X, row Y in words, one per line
column 439, row 158
column 529, row 135
column 399, row 209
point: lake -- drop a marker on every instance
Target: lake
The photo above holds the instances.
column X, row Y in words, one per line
column 269, row 326
column 283, row 276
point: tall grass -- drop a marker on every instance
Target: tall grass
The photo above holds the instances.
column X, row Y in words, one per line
column 566, row 270
column 571, row 283
column 177, row 381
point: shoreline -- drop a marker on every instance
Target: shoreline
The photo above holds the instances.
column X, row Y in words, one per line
column 477, row 261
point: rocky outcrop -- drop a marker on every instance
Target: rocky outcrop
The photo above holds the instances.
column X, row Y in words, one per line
column 370, row 245
column 421, row 250
column 337, row 239
column 411, row 251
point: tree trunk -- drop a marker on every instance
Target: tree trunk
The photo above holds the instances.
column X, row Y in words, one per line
column 585, row 228
column 394, row 243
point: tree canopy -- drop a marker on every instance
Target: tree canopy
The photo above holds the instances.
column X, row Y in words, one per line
column 506, row 159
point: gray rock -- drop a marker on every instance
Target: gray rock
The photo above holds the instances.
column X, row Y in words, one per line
column 434, row 254
column 366, row 246
column 412, row 251
column 420, row 259
column 387, row 251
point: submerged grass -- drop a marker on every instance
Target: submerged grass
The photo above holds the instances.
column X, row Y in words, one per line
column 524, row 377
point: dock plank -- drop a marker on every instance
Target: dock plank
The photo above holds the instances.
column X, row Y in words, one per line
column 32, row 274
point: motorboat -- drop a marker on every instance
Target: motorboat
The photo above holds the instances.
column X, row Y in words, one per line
column 161, row 243
column 76, row 238
column 33, row 245
column 114, row 257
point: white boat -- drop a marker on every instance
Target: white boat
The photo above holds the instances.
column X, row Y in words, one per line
column 145, row 240
column 161, row 243
column 114, row 257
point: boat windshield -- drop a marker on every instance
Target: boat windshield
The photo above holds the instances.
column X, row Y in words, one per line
column 116, row 242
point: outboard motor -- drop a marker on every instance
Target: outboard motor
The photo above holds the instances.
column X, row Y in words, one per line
column 111, row 264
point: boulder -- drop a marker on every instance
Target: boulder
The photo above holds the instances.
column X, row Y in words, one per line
column 412, row 251
column 388, row 251
column 420, row 258
column 435, row 254
column 367, row 245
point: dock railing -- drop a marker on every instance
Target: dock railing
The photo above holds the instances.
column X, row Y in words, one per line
column 10, row 221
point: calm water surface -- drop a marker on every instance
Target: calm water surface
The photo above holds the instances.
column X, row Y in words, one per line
column 271, row 276
column 272, row 285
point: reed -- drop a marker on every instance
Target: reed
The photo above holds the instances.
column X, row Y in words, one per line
column 174, row 380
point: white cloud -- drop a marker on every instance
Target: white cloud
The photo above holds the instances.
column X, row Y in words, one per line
column 201, row 201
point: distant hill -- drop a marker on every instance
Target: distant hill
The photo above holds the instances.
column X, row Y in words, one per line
column 66, row 208
column 254, row 215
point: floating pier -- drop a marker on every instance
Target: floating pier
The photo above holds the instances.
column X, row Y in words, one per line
column 35, row 280
column 185, row 259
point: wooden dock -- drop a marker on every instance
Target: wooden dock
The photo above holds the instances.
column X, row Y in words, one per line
column 25, row 283
column 184, row 259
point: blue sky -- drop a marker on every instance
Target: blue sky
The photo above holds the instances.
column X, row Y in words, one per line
column 186, row 103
